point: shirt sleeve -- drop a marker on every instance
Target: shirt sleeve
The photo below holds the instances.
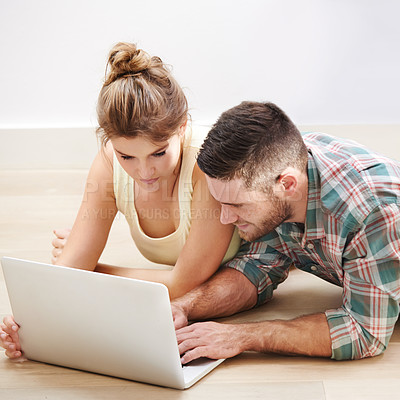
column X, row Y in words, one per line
column 265, row 267
column 364, row 324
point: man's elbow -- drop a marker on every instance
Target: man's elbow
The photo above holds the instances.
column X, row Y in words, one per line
column 359, row 349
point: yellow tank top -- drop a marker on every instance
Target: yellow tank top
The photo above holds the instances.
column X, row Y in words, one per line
column 165, row 250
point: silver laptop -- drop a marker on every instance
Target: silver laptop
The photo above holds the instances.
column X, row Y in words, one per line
column 99, row 323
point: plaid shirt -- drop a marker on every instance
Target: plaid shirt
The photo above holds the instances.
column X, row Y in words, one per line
column 351, row 238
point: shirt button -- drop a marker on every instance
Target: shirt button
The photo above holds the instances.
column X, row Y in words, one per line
column 310, row 246
column 314, row 268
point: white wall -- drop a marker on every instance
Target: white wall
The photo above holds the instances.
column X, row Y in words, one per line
column 323, row 61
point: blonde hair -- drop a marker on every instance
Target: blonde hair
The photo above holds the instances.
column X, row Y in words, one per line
column 139, row 97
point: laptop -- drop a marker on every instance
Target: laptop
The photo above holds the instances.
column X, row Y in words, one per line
column 99, row 323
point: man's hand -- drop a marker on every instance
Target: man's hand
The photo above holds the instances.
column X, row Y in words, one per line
column 209, row 339
column 307, row 335
column 179, row 315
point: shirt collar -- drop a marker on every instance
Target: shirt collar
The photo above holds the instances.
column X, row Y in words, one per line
column 314, row 226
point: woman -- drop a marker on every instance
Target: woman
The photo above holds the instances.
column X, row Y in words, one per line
column 146, row 170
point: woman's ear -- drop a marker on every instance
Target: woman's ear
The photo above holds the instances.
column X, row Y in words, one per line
column 182, row 128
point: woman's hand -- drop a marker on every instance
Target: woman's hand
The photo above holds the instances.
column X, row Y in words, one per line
column 59, row 243
column 9, row 338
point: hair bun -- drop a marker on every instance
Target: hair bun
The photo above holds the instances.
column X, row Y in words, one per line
column 125, row 59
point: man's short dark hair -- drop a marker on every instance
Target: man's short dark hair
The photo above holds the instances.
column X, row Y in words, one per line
column 255, row 142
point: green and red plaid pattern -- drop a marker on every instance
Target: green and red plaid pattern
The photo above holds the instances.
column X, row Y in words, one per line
column 351, row 238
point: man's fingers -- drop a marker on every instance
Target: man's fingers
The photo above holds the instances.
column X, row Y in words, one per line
column 196, row 327
column 179, row 316
column 183, row 332
column 189, row 344
column 208, row 339
column 180, row 322
column 194, row 354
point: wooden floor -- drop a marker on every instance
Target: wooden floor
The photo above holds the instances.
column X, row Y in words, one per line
column 32, row 203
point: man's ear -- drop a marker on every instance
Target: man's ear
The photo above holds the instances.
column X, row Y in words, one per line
column 287, row 184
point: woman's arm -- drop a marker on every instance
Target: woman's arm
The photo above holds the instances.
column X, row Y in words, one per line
column 203, row 251
column 90, row 231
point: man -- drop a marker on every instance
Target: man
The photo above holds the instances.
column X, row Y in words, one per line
column 329, row 207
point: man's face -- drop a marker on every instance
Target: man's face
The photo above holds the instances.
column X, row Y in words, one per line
column 255, row 213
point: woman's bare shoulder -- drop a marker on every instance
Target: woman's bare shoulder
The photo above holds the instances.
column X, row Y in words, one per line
column 103, row 164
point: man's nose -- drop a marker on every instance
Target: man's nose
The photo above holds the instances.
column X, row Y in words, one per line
column 228, row 216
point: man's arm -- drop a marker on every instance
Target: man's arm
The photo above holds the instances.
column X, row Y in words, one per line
column 226, row 293
column 308, row 335
column 247, row 280
column 362, row 327
column 250, row 279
